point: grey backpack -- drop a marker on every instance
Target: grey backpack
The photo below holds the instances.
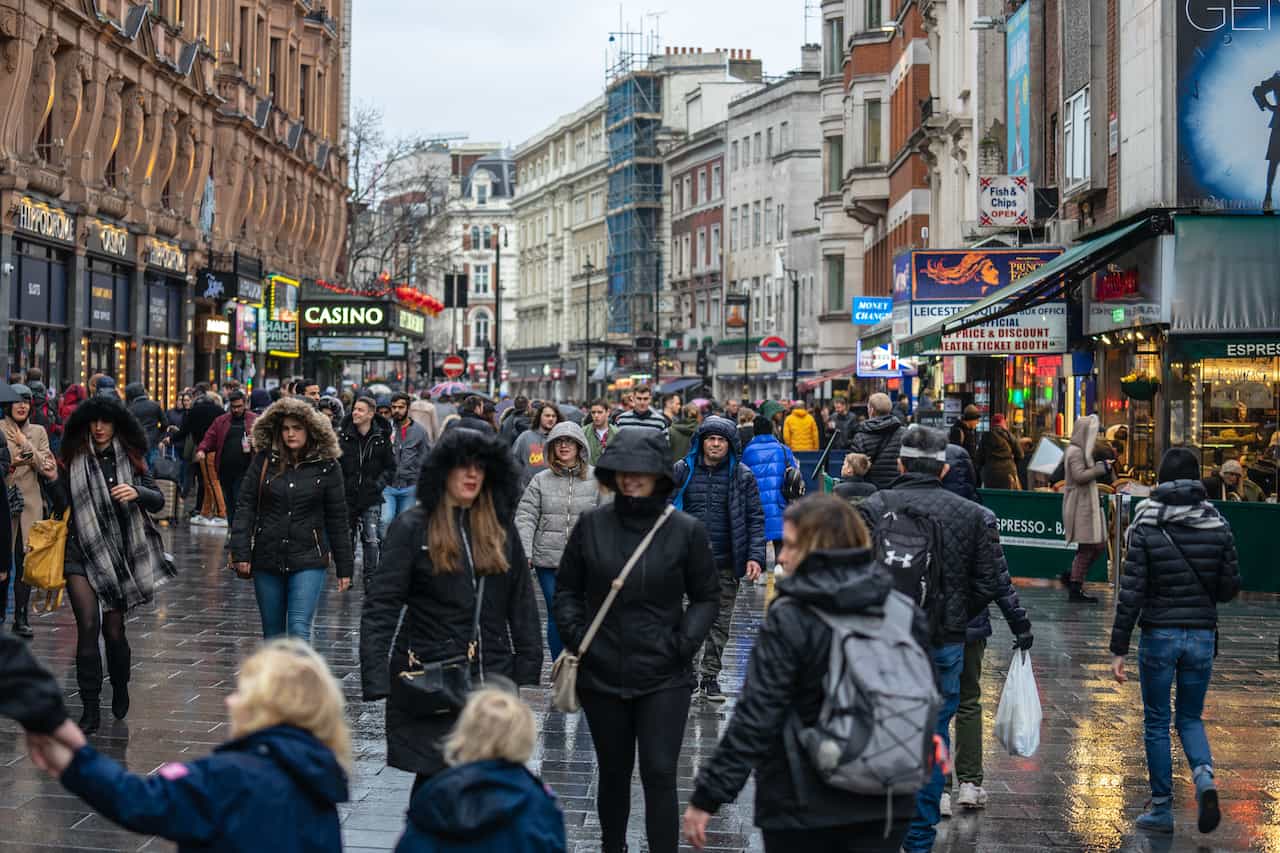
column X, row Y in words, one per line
column 874, row 732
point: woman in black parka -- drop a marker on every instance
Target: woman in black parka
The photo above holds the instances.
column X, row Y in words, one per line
column 462, row 529
column 636, row 680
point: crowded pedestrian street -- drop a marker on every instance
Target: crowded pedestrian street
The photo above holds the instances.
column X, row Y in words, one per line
column 1080, row 792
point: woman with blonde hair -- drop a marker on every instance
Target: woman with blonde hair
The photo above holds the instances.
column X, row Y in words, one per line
column 828, row 566
column 274, row 786
column 30, row 461
column 455, row 566
column 488, row 799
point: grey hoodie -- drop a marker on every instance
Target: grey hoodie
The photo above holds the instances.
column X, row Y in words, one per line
column 554, row 499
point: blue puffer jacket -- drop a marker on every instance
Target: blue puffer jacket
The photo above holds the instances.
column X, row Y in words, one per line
column 276, row 789
column 484, row 807
column 768, row 460
column 746, row 516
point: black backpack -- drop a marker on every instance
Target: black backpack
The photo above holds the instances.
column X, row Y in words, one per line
column 908, row 543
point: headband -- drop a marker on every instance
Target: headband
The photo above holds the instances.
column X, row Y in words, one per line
column 916, row 453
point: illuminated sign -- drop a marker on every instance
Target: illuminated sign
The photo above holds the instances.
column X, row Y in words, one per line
column 344, row 314
column 166, row 256
column 108, row 239
column 40, row 218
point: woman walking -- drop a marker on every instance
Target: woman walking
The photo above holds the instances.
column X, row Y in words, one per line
column 769, row 460
column 828, row 564
column 1180, row 564
column 291, row 511
column 1081, row 511
column 531, row 447
column 549, row 509
column 114, row 555
column 450, row 562
column 636, row 680
column 1001, row 456
column 30, row 461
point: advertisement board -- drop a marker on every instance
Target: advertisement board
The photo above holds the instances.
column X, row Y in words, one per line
column 1228, row 104
column 1017, row 47
column 1033, row 331
column 878, row 362
column 949, row 275
column 869, row 310
column 1004, row 201
column 348, row 345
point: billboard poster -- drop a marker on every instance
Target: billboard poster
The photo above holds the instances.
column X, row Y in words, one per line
column 1228, row 104
column 878, row 362
column 1017, row 46
column 950, row 275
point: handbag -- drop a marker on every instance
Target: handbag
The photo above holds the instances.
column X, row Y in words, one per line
column 441, row 687
column 1204, row 586
column 168, row 467
column 564, row 672
column 43, row 560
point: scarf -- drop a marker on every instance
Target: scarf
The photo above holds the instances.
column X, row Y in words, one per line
column 1202, row 515
column 122, row 564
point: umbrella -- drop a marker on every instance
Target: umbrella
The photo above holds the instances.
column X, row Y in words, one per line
column 378, row 389
column 450, row 389
column 506, row 403
column 570, row 413
column 701, row 402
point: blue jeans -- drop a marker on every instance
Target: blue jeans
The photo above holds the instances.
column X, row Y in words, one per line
column 287, row 601
column 547, row 580
column 948, row 660
column 395, row 501
column 1166, row 654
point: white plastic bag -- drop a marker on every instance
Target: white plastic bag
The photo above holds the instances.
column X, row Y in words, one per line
column 1018, row 717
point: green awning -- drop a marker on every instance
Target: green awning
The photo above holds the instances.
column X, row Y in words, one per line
column 878, row 335
column 1073, row 263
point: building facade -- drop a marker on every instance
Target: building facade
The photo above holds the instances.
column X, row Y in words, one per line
column 160, row 170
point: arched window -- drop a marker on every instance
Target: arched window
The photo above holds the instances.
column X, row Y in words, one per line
column 488, row 238
column 480, row 329
column 475, row 236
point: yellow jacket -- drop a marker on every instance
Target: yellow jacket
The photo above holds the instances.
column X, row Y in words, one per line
column 800, row 431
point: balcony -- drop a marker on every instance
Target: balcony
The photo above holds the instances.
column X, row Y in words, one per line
column 866, row 193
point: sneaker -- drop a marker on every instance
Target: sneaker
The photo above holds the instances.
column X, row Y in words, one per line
column 217, row 522
column 711, row 690
column 198, row 520
column 1207, row 801
column 944, row 805
column 971, row 796
column 1157, row 818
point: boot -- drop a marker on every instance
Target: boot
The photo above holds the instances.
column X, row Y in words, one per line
column 1207, row 800
column 119, row 659
column 1065, row 578
column 1157, row 818
column 21, row 626
column 1077, row 595
column 89, row 680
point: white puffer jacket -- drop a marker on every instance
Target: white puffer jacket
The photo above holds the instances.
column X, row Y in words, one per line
column 554, row 499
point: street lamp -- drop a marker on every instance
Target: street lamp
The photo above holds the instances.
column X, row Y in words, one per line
column 499, row 240
column 795, row 332
column 587, row 269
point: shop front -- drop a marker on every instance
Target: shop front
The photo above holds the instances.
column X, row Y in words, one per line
column 530, row 370
column 231, row 291
column 280, row 337
column 165, row 334
column 39, row 296
column 109, row 276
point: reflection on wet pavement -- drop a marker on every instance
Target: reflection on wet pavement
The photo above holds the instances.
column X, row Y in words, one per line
column 1081, row 792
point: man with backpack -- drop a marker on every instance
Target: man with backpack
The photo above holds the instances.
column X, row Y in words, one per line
column 878, row 438
column 941, row 553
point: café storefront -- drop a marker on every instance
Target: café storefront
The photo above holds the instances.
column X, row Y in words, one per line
column 39, row 292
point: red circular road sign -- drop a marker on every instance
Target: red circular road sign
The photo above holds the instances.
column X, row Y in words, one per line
column 454, row 366
column 772, row 348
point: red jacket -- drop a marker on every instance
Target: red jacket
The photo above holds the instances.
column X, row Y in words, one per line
column 217, row 434
column 71, row 398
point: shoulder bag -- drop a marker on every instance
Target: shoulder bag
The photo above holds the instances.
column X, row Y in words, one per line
column 564, row 672
column 1213, row 599
column 43, row 561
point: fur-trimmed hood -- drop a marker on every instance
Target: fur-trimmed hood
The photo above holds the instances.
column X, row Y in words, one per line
column 110, row 409
column 459, row 445
column 268, row 425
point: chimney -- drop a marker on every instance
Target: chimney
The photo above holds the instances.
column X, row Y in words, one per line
column 668, row 49
column 811, row 57
column 748, row 53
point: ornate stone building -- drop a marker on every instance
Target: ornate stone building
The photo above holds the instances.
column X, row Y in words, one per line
column 169, row 172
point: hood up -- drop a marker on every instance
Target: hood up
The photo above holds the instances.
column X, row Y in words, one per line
column 839, row 581
column 472, row 800
column 637, row 451
column 111, row 410
column 298, row 753
column 463, row 444
column 1085, row 435
column 134, row 390
column 318, row 427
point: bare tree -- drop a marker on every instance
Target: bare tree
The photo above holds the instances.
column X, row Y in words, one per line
column 399, row 190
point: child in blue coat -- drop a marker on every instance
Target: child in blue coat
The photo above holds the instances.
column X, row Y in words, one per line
column 275, row 786
column 488, row 801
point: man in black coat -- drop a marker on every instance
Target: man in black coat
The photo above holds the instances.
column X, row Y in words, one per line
column 967, row 570
column 878, row 438
column 715, row 488
column 367, row 465
column 149, row 413
column 204, row 411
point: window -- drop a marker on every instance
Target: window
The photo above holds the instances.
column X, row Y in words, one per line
column 304, row 80
column 475, row 236
column 733, row 229
column 1075, row 138
column 768, row 143
column 755, row 305
column 480, row 279
column 717, row 182
column 687, row 198
column 768, row 221
column 755, row 223
column 873, row 132
column 784, row 131
column 488, row 239
column 480, row 329
column 782, row 229
column 759, row 148
column 715, row 247
column 835, row 164
column 579, row 209
column 244, row 39
column 834, row 265
column 746, row 151
column 675, row 196
column 700, row 259
column 482, row 192
column 874, row 15
column 273, row 68
column 715, row 310
column 733, row 156
column 580, row 148
column 833, row 47
column 702, row 186
column 676, row 246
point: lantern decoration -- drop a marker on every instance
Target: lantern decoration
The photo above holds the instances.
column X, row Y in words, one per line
column 415, row 298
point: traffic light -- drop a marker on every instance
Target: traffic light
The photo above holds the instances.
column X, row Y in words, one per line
column 703, row 363
column 424, row 362
column 488, row 353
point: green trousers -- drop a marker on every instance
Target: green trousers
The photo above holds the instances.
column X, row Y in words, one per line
column 968, row 739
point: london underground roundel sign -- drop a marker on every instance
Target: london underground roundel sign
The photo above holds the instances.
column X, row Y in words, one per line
column 772, row 349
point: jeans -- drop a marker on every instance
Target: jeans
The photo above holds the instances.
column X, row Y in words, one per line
column 230, row 482
column 1166, row 655
column 367, row 527
column 547, row 580
column 655, row 722
column 968, row 751
column 851, row 838
column 395, row 501
column 948, row 661
column 287, row 601
column 713, row 650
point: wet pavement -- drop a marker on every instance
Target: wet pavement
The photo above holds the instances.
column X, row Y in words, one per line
column 1080, row 792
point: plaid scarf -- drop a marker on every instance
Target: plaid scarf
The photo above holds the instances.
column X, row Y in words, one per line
column 123, row 564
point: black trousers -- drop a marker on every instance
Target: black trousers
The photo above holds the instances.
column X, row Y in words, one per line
column 655, row 723
column 854, row 838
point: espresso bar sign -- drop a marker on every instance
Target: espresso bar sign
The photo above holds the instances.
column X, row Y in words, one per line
column 40, row 218
column 166, row 256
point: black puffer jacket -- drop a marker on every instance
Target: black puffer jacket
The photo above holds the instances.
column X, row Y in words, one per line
column 289, row 517
column 367, row 462
column 880, row 438
column 647, row 641
column 961, row 478
column 783, row 692
column 970, row 575
column 1175, row 584
column 148, row 412
column 1015, row 615
column 439, row 606
column 31, row 695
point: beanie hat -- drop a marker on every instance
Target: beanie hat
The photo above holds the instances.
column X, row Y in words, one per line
column 970, row 413
column 1179, row 463
column 1233, row 466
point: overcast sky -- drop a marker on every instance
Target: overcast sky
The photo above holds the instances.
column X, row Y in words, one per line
column 501, row 70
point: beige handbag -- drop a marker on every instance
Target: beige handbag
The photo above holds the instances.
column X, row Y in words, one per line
column 564, row 672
